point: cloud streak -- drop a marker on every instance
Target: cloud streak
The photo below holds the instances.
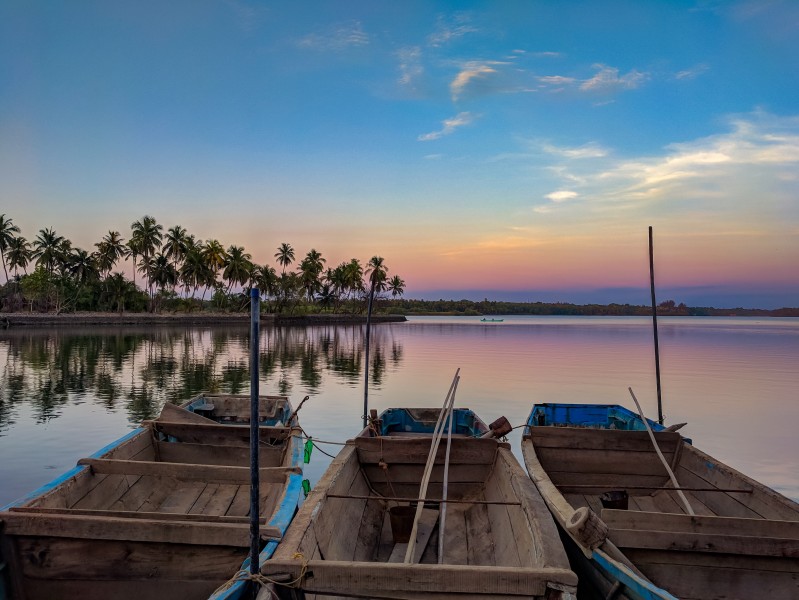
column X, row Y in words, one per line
column 448, row 126
column 337, row 38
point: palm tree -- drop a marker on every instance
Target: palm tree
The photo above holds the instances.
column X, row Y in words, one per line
column 47, row 248
column 109, row 250
column 19, row 254
column 377, row 274
column 163, row 272
column 310, row 269
column 284, row 255
column 83, row 267
column 396, row 285
column 148, row 236
column 238, row 266
column 7, row 231
column 132, row 249
column 195, row 271
column 175, row 244
column 353, row 277
column 215, row 256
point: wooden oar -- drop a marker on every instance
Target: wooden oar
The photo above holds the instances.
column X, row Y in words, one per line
column 428, row 469
column 443, row 508
column 685, row 502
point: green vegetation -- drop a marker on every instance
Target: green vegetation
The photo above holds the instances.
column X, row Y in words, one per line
column 487, row 307
column 178, row 272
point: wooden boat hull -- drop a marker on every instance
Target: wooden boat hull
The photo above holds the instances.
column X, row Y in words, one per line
column 160, row 513
column 499, row 542
column 740, row 544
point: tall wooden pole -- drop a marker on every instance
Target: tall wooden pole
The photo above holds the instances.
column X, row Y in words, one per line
column 655, row 323
column 366, row 361
column 255, row 321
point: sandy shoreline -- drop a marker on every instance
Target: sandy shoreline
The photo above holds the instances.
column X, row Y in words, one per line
column 20, row 319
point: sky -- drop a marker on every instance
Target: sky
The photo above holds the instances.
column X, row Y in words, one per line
column 508, row 150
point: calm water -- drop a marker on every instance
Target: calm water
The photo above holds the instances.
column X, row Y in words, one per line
column 64, row 393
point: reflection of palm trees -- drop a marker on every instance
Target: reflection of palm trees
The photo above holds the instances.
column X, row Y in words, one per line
column 141, row 369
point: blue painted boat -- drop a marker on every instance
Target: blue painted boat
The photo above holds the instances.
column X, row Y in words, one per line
column 627, row 529
column 350, row 537
column 160, row 513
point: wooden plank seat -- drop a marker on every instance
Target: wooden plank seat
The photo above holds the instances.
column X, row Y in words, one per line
column 734, row 535
column 206, row 473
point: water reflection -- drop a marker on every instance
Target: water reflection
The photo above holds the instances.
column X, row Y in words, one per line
column 140, row 369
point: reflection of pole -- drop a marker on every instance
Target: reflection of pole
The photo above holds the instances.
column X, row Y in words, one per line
column 366, row 361
column 255, row 316
column 655, row 323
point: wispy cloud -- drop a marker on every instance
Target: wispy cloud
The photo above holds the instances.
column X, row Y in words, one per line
column 758, row 157
column 693, row 72
column 590, row 150
column 337, row 37
column 449, row 29
column 448, row 126
column 561, row 195
column 607, row 79
column 477, row 76
column 410, row 64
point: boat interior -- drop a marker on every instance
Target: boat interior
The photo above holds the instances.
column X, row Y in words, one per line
column 488, row 525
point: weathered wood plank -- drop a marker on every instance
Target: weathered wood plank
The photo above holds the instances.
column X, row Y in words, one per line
column 479, row 537
column 617, row 462
column 175, row 414
column 200, row 518
column 106, row 492
column 301, row 534
column 142, row 530
column 234, row 435
column 182, row 498
column 763, row 501
column 415, row 451
column 42, row 589
column 455, row 548
column 410, row 473
column 207, row 473
column 704, row 542
column 656, row 521
column 608, row 481
column 369, row 530
column 219, row 503
column 603, row 439
column 240, row 505
column 698, row 576
column 427, row 523
column 210, row 454
column 387, row 580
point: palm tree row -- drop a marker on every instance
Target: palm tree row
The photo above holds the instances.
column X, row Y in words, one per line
column 176, row 265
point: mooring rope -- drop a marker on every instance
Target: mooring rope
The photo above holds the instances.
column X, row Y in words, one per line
column 262, row 579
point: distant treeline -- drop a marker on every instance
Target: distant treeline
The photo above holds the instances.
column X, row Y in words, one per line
column 490, row 307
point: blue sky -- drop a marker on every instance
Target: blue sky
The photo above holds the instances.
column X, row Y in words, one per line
column 482, row 148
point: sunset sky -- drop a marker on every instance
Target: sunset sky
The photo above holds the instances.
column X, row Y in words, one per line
column 514, row 150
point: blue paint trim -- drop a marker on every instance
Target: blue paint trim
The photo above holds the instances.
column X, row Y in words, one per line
column 635, row 587
column 401, row 419
column 47, row 487
column 599, row 416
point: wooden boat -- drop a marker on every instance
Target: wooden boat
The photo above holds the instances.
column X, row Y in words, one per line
column 742, row 541
column 235, row 408
column 499, row 540
column 160, row 513
column 484, row 320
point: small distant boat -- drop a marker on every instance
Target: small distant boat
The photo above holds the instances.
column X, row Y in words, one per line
column 628, row 530
column 160, row 513
column 484, row 320
column 351, row 536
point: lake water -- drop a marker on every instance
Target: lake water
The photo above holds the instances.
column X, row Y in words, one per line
column 64, row 393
